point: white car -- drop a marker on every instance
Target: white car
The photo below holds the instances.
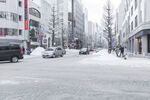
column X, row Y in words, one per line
column 53, row 52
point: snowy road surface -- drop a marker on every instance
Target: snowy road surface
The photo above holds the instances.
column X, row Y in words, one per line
column 94, row 77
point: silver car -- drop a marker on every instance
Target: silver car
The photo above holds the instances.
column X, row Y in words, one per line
column 53, row 52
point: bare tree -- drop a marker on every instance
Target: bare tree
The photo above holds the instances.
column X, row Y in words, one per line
column 108, row 22
column 62, row 28
column 54, row 24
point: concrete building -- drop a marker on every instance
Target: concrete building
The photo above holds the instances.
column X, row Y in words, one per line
column 136, row 26
column 34, row 16
column 62, row 10
column 78, row 20
column 46, row 15
column 90, row 33
column 85, row 33
column 76, row 37
column 95, row 35
column 119, row 18
column 12, row 21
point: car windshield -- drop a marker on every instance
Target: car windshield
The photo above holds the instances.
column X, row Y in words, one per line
column 50, row 49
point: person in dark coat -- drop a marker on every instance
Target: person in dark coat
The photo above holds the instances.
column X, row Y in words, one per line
column 122, row 51
column 117, row 51
column 23, row 50
column 109, row 50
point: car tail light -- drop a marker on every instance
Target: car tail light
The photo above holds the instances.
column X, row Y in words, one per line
column 21, row 50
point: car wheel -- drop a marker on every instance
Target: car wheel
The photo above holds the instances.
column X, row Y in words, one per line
column 44, row 57
column 54, row 56
column 61, row 55
column 14, row 59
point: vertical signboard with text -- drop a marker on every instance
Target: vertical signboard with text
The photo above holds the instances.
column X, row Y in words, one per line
column 26, row 22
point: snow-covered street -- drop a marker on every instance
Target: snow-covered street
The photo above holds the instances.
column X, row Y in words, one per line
column 98, row 76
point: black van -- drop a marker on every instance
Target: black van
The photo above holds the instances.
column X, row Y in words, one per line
column 10, row 52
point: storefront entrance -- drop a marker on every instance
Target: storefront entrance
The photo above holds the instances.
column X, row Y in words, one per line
column 148, row 38
column 140, row 45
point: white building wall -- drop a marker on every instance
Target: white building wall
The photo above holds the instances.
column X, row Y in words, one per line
column 11, row 6
column 147, row 10
column 132, row 37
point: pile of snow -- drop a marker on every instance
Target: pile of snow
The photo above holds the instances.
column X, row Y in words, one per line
column 38, row 51
column 72, row 52
column 103, row 58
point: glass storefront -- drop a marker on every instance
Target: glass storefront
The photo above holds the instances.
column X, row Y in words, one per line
column 148, row 43
column 140, row 45
column 34, row 30
column 8, row 32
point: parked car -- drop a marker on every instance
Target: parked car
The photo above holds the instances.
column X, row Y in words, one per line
column 64, row 51
column 84, row 51
column 97, row 50
column 91, row 49
column 53, row 52
column 11, row 52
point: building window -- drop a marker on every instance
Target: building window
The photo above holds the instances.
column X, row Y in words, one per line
column 20, row 3
column 20, row 18
column 8, row 32
column 136, row 21
column 131, row 25
column 34, row 12
column 135, row 4
column 129, row 28
column 20, row 32
column 132, row 11
column 9, row 16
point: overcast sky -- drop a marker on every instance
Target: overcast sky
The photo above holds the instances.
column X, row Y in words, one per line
column 95, row 8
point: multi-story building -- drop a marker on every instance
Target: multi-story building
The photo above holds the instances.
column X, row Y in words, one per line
column 91, row 34
column 46, row 17
column 85, row 33
column 136, row 26
column 95, row 35
column 62, row 11
column 34, row 17
column 12, row 21
column 76, row 35
column 119, row 18
column 78, row 20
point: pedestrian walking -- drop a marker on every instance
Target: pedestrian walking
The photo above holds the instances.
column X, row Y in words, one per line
column 125, row 53
column 121, row 51
column 109, row 50
column 117, row 51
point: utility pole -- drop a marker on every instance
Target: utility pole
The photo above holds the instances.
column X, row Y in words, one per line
column 72, row 36
column 62, row 33
column 53, row 22
column 53, row 35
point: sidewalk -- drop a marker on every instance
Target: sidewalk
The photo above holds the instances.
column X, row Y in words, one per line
column 139, row 56
column 104, row 59
column 30, row 56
